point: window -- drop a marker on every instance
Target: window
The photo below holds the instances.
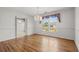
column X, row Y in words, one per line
column 49, row 22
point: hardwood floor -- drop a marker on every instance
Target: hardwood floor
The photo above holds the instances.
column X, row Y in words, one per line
column 38, row 43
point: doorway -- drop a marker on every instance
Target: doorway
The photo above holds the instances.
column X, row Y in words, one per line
column 19, row 27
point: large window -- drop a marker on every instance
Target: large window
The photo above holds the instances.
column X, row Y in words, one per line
column 49, row 22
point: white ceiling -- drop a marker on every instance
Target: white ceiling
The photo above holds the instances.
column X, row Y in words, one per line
column 35, row 10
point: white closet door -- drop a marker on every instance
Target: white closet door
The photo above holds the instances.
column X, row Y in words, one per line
column 20, row 28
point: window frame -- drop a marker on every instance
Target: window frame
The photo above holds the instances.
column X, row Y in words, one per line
column 57, row 15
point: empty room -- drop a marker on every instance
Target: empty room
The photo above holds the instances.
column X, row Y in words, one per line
column 39, row 29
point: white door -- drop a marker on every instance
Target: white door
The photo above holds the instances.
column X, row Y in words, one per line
column 20, row 28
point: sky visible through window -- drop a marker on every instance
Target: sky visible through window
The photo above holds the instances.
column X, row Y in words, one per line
column 53, row 19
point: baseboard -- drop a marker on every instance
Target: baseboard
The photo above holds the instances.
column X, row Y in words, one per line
column 53, row 36
column 35, row 34
column 7, row 39
column 11, row 38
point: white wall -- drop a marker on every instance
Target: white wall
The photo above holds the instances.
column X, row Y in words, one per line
column 65, row 29
column 7, row 23
column 30, row 26
column 77, row 27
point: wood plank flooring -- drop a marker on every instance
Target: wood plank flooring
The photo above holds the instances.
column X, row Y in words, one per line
column 38, row 43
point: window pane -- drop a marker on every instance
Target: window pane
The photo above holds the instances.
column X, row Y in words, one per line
column 45, row 24
column 52, row 28
column 52, row 22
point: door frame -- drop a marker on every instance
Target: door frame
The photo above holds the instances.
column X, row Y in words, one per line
column 16, row 24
